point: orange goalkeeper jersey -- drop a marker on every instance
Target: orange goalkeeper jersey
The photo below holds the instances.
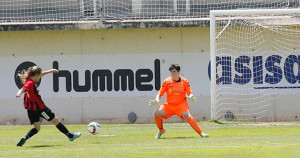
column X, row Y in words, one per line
column 175, row 90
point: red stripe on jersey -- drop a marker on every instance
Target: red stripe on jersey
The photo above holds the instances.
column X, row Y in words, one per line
column 32, row 99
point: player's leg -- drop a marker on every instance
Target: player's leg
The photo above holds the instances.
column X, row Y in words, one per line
column 158, row 117
column 62, row 128
column 193, row 123
column 161, row 113
column 35, row 120
column 183, row 111
column 50, row 116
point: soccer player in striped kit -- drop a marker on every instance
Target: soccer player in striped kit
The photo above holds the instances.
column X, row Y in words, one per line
column 176, row 88
column 35, row 105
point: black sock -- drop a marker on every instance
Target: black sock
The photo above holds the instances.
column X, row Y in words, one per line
column 30, row 133
column 64, row 130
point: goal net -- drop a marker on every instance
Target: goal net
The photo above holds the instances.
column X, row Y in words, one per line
column 155, row 10
column 255, row 57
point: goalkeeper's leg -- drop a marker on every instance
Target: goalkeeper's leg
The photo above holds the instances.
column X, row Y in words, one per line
column 193, row 123
column 159, row 113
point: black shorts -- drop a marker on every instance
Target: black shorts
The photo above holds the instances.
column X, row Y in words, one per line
column 34, row 116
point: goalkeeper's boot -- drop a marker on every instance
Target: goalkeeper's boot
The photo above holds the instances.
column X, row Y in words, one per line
column 158, row 135
column 203, row 135
column 75, row 135
column 22, row 141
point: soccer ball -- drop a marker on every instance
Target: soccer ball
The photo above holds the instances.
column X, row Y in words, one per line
column 94, row 128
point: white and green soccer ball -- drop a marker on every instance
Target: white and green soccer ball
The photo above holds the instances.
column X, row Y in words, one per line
column 94, row 128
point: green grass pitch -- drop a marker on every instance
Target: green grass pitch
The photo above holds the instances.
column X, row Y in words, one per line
column 137, row 140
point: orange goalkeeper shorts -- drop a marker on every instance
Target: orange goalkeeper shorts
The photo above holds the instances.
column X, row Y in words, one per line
column 175, row 109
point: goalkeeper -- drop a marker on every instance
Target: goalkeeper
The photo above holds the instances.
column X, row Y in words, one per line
column 176, row 88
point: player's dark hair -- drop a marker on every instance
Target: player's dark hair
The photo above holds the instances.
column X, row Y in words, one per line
column 32, row 71
column 174, row 66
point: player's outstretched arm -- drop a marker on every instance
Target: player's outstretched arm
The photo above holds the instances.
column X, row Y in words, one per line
column 19, row 92
column 50, row 71
column 155, row 101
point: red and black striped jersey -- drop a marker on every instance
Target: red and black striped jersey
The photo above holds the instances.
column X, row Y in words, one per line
column 32, row 98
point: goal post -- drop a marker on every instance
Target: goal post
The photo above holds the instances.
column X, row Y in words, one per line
column 255, row 56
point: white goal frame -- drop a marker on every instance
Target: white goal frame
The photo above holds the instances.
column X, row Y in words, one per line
column 213, row 14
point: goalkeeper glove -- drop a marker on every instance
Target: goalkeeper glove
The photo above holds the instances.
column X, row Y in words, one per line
column 153, row 102
column 192, row 98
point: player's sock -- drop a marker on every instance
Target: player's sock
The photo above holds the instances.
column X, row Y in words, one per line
column 159, row 123
column 64, row 130
column 30, row 133
column 194, row 125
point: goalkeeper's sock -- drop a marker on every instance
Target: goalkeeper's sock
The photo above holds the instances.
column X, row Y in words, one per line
column 159, row 123
column 64, row 130
column 194, row 125
column 30, row 133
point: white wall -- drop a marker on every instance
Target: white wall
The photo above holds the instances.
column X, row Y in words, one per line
column 112, row 49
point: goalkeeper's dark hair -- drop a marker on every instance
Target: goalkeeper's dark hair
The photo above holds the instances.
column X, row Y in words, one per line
column 174, row 66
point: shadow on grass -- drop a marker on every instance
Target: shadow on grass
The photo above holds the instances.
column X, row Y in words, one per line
column 43, row 146
column 177, row 138
column 216, row 121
